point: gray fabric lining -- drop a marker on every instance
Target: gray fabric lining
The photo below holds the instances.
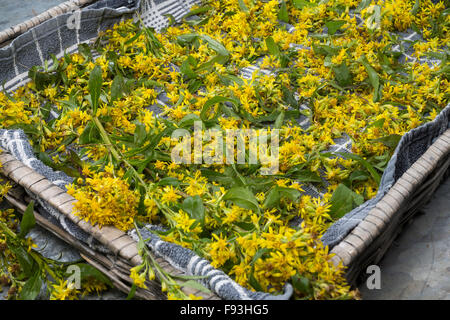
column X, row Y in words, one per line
column 191, row 264
column 411, row 146
column 53, row 37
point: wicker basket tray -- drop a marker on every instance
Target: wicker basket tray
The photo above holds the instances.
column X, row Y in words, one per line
column 365, row 245
column 370, row 240
column 125, row 253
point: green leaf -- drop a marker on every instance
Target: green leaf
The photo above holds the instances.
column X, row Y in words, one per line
column 140, row 246
column 301, row 284
column 187, row 38
column 290, row 193
column 303, row 175
column 362, row 5
column 186, row 67
column 277, row 193
column 32, row 287
column 195, row 285
column 28, row 220
column 258, row 255
column 279, row 121
column 325, row 50
column 88, row 271
column 272, row 198
column 90, row 134
column 169, row 181
column 197, row 11
column 132, row 292
column 343, row 201
column 152, row 43
column 217, row 99
column 85, row 51
column 300, row 4
column 188, row 120
column 243, row 198
column 254, row 283
column 140, row 134
column 197, row 22
column 415, row 8
column 187, row 277
column 134, row 38
column 283, row 14
column 215, row 45
column 342, row 75
column 193, row 206
column 379, row 123
column 243, row 6
column 289, row 97
column 245, row 226
column 358, row 176
column 390, row 141
column 334, row 26
column 40, row 79
column 272, row 47
column 25, row 260
column 45, row 158
column 374, row 78
column 117, row 87
column 74, row 158
column 365, row 163
column 171, row 18
column 95, row 85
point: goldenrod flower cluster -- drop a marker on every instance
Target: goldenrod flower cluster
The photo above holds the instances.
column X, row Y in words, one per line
column 347, row 82
column 64, row 291
column 105, row 200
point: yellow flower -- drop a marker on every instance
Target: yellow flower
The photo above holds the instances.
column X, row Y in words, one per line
column 105, row 200
column 169, row 196
column 160, row 165
column 138, row 278
column 197, row 185
column 63, row 291
column 220, row 251
column 30, row 244
column 184, row 223
column 93, row 285
column 241, row 272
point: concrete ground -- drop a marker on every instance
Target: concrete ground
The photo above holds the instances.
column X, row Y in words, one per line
column 13, row 12
column 417, row 266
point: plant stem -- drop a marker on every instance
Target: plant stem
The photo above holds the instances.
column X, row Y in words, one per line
column 115, row 153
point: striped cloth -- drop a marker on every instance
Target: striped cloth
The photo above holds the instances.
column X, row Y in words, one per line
column 54, row 37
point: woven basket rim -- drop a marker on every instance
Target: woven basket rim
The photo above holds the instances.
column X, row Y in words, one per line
column 378, row 218
column 118, row 241
column 121, row 244
column 345, row 252
column 13, row 32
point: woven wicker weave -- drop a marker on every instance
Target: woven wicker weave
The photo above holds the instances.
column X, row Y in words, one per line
column 365, row 245
column 125, row 253
column 369, row 241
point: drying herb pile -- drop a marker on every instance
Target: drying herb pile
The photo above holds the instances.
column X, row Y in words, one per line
column 338, row 64
column 26, row 274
